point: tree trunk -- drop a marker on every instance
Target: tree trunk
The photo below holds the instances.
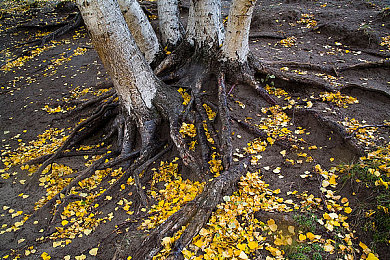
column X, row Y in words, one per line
column 133, row 78
column 236, row 47
column 205, row 28
column 140, row 28
column 169, row 21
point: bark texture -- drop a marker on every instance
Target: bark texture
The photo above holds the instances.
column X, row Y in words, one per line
column 205, row 28
column 169, row 21
column 133, row 78
column 236, row 45
column 140, row 28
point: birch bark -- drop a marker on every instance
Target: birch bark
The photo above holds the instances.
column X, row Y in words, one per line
column 205, row 28
column 236, row 45
column 132, row 76
column 169, row 21
column 140, row 28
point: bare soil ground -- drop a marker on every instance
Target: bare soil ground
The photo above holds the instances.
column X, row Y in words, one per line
column 320, row 41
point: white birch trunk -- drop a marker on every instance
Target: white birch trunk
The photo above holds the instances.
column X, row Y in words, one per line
column 169, row 21
column 133, row 78
column 140, row 28
column 236, row 45
column 204, row 27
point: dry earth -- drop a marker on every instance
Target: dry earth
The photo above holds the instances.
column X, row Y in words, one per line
column 317, row 40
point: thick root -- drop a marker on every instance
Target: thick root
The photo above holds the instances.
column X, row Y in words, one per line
column 195, row 213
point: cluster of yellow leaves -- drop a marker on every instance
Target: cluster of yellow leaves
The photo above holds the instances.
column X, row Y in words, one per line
column 331, row 79
column 339, row 99
column 45, row 256
column 185, row 95
column 13, row 7
column 364, row 135
column 276, row 91
column 207, row 133
column 176, row 193
column 77, row 218
column 308, row 20
column 256, row 146
column 77, row 221
column 215, row 164
column 210, row 113
column 57, row 109
column 54, row 180
column 19, row 62
column 65, row 57
column 386, row 41
column 46, row 143
column 276, row 122
column 233, row 232
column 188, row 129
column 167, row 242
column 288, row 42
column 379, row 158
column 165, row 171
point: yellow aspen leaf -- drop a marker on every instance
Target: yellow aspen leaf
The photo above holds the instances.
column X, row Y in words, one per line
column 302, row 237
column 325, row 183
column 166, row 241
column 328, row 248
column 291, row 229
column 64, row 222
column 199, row 243
column 243, row 255
column 253, row 245
column 363, row 246
column 347, row 210
column 57, row 243
column 272, row 225
column 45, row 256
column 310, row 235
column 332, row 180
column 241, row 246
column 204, row 232
column 80, row 257
column 279, row 242
column 371, row 256
column 93, row 251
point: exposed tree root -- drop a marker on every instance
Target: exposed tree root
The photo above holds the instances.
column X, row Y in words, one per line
column 368, row 126
column 226, row 132
column 90, row 102
column 101, row 115
column 289, row 77
column 43, row 158
column 332, row 125
column 367, row 65
column 365, row 88
column 326, row 69
column 195, row 214
column 71, row 25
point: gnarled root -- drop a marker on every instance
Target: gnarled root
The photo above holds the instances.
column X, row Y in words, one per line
column 195, row 214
